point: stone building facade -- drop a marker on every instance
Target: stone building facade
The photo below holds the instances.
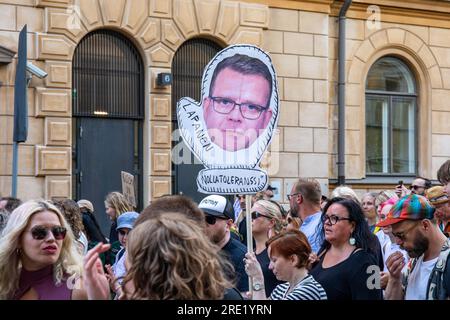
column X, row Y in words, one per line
column 300, row 35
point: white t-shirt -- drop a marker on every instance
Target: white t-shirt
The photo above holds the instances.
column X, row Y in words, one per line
column 418, row 279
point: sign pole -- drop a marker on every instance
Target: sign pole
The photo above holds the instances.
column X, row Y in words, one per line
column 248, row 217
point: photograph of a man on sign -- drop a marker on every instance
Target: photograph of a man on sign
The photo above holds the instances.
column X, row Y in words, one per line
column 231, row 125
column 234, row 123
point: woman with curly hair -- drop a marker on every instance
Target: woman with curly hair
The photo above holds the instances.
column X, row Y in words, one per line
column 38, row 258
column 169, row 257
column 72, row 213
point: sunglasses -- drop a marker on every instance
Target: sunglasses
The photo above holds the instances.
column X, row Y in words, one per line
column 41, row 232
column 416, row 187
column 211, row 220
column 256, row 215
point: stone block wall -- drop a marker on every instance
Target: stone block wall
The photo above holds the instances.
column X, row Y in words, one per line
column 13, row 16
column 55, row 27
column 298, row 44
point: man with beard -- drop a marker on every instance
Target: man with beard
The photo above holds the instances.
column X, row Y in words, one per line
column 419, row 186
column 427, row 276
column 304, row 201
column 219, row 216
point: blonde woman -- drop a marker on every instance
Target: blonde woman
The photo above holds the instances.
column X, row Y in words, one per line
column 266, row 222
column 370, row 211
column 169, row 257
column 38, row 257
column 115, row 205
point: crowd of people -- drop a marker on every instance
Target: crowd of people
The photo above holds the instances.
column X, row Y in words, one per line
column 392, row 245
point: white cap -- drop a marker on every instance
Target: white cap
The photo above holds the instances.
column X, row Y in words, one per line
column 217, row 206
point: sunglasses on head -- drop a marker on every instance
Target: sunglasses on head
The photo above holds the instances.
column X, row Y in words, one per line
column 212, row 219
column 256, row 215
column 41, row 232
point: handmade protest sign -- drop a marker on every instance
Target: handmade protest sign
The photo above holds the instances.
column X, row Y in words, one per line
column 230, row 129
column 128, row 187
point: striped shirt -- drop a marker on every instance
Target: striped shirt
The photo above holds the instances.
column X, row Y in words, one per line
column 307, row 289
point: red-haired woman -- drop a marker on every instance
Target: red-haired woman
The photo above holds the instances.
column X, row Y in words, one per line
column 289, row 252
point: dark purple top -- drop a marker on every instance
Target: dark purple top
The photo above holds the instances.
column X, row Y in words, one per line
column 43, row 283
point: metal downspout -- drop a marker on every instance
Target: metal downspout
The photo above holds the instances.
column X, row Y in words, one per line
column 341, row 93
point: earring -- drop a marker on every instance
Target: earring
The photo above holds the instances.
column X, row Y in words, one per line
column 352, row 241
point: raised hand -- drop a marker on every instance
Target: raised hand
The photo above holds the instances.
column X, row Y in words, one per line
column 395, row 264
column 115, row 286
column 96, row 283
column 252, row 266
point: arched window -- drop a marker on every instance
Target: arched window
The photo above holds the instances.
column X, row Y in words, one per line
column 108, row 77
column 391, row 108
column 108, row 110
column 188, row 65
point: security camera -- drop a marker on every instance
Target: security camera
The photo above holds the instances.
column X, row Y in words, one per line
column 38, row 72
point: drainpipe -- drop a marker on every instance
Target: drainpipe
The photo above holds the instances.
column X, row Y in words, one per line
column 341, row 93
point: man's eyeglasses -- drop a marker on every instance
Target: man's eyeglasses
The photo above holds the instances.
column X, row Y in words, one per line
column 256, row 215
column 414, row 187
column 290, row 196
column 41, row 232
column 333, row 219
column 402, row 235
column 211, row 220
column 249, row 111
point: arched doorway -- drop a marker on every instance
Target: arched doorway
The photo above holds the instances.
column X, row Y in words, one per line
column 108, row 109
column 187, row 69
